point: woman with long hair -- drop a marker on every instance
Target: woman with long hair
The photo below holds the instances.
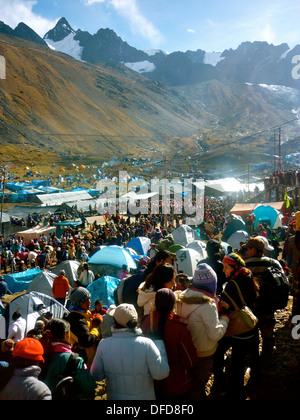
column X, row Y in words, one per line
column 163, row 276
column 238, row 276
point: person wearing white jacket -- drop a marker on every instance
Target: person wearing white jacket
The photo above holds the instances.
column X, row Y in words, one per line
column 197, row 307
column 129, row 361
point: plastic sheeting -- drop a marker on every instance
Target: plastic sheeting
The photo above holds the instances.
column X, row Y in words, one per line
column 103, row 289
column 20, row 282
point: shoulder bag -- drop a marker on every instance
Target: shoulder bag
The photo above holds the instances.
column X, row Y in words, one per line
column 242, row 319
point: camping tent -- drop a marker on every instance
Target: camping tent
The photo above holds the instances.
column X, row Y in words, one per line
column 267, row 213
column 32, row 305
column 237, row 237
column 103, row 289
column 198, row 246
column 187, row 260
column 113, row 255
column 233, row 226
column 42, row 283
column 184, row 234
column 71, row 268
column 140, row 244
column 20, row 282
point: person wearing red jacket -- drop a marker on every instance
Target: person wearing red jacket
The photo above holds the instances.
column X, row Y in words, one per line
column 182, row 355
column 61, row 287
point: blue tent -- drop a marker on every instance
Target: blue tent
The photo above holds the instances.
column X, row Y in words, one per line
column 103, row 289
column 265, row 213
column 113, row 255
column 19, row 282
column 140, row 244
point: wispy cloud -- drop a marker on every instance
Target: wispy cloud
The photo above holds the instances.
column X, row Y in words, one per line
column 139, row 24
column 191, row 31
column 15, row 11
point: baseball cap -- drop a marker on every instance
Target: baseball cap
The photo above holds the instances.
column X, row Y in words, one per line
column 268, row 247
column 124, row 313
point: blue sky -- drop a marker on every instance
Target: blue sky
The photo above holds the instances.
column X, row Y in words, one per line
column 170, row 25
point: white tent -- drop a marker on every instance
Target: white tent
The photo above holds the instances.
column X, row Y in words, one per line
column 35, row 232
column 71, row 269
column 187, row 260
column 42, row 283
column 184, row 235
column 237, row 237
column 32, row 305
column 198, row 246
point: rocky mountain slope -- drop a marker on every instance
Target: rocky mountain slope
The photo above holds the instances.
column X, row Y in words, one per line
column 102, row 109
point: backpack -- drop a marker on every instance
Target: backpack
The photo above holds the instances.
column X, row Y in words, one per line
column 66, row 388
column 274, row 290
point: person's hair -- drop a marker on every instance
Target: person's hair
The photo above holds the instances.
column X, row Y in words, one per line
column 58, row 328
column 161, row 275
column 160, row 256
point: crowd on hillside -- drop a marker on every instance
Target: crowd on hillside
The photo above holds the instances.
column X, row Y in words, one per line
column 288, row 178
column 166, row 334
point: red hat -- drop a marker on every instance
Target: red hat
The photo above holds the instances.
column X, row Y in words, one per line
column 29, row 348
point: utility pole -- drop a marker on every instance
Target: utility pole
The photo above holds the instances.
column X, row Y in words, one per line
column 279, row 150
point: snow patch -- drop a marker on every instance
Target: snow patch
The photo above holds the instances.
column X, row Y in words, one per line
column 141, row 66
column 68, row 46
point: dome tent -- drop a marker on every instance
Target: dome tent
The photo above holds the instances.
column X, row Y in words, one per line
column 267, row 213
column 71, row 270
column 237, row 237
column 141, row 244
column 31, row 306
column 42, row 283
column 113, row 255
column 187, row 260
column 184, row 234
column 103, row 289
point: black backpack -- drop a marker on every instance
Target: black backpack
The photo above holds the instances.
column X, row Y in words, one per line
column 274, row 290
column 66, row 388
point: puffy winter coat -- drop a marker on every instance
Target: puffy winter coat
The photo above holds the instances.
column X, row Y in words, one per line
column 199, row 311
column 25, row 386
column 130, row 362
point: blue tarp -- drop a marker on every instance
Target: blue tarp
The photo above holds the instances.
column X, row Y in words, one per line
column 19, row 282
column 103, row 289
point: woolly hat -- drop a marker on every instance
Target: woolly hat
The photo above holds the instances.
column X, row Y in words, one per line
column 79, row 295
column 164, row 300
column 234, row 260
column 205, row 277
column 29, row 348
column 124, row 313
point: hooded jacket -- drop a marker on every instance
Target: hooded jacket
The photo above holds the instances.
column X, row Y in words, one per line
column 199, row 311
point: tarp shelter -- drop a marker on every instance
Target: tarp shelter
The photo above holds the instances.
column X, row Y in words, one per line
column 42, row 283
column 103, row 289
column 61, row 198
column 32, row 305
column 237, row 237
column 140, row 244
column 71, row 268
column 61, row 225
column 184, row 234
column 35, row 232
column 233, row 226
column 198, row 246
column 187, row 260
column 20, row 282
column 113, row 255
column 267, row 214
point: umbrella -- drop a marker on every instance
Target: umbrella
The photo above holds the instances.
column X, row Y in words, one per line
column 113, row 255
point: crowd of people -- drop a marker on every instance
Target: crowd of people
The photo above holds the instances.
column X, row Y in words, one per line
column 288, row 178
column 166, row 334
